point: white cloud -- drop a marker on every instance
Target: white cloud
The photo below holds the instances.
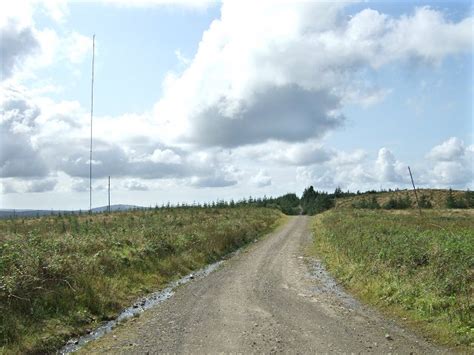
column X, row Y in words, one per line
column 19, row 155
column 55, row 48
column 42, row 137
column 376, row 38
column 80, row 185
column 55, row 9
column 453, row 163
column 193, row 4
column 452, row 173
column 258, row 96
column 20, row 12
column 358, row 171
column 135, row 185
column 419, row 36
column 41, row 185
column 451, row 149
column 17, row 43
column 282, row 154
column 37, row 128
column 27, row 47
column 76, row 47
column 349, row 158
column 284, row 75
column 328, row 176
column 216, row 180
column 23, row 10
column 262, row 179
column 8, row 187
column 388, row 169
column 28, row 186
column 364, row 96
column 164, row 156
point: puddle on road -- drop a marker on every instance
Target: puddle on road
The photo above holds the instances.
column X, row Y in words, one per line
column 138, row 307
column 326, row 285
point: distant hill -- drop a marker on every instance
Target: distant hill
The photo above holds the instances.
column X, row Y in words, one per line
column 7, row 213
column 437, row 197
column 115, row 208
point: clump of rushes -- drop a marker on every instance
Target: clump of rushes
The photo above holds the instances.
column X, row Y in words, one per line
column 60, row 275
column 417, row 267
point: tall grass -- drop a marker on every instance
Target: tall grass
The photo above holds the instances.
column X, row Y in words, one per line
column 421, row 267
column 61, row 275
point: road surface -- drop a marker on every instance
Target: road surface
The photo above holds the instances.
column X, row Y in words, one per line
column 269, row 298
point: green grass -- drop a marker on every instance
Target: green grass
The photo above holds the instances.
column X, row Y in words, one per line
column 419, row 268
column 62, row 275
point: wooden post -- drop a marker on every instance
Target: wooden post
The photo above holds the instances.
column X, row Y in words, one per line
column 414, row 189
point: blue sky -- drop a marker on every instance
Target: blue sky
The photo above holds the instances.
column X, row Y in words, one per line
column 424, row 107
column 199, row 101
column 135, row 50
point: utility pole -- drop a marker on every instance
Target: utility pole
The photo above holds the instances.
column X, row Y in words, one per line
column 109, row 195
column 414, row 189
column 92, row 114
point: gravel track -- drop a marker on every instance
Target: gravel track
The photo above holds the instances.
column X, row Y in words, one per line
column 268, row 298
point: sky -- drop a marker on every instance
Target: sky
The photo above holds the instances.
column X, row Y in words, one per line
column 198, row 101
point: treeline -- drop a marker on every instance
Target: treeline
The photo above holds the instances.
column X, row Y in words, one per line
column 288, row 203
column 313, row 201
column 404, row 202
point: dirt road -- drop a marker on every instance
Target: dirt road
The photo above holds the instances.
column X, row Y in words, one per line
column 268, row 298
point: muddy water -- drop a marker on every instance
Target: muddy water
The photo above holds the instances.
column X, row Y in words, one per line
column 138, row 307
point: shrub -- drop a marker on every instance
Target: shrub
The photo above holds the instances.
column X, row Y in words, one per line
column 367, row 203
column 424, row 202
column 398, row 204
column 469, row 198
column 452, row 202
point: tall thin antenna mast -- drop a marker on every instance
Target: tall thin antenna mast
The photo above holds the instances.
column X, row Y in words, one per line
column 92, row 114
column 109, row 195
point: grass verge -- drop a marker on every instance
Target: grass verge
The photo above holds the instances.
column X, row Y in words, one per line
column 60, row 276
column 418, row 268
